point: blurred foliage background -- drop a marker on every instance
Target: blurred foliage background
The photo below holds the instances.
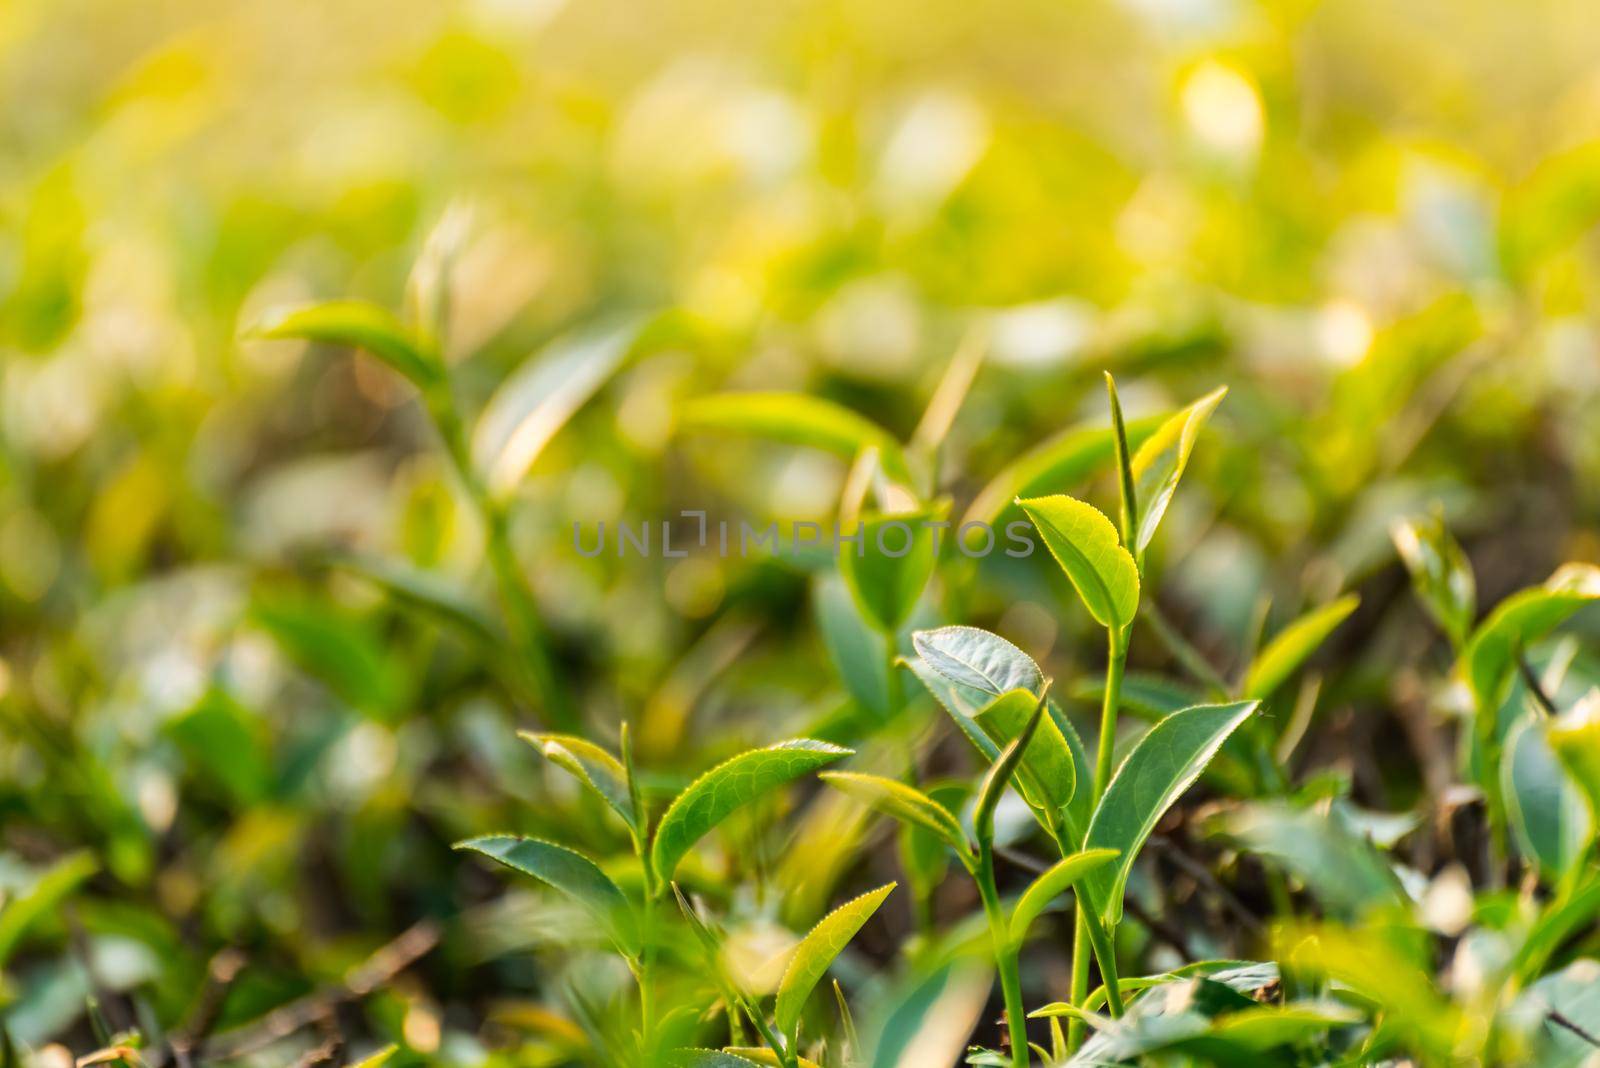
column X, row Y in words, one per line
column 1373, row 222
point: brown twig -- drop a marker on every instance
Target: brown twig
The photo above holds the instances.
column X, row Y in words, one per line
column 188, row 1044
column 376, row 970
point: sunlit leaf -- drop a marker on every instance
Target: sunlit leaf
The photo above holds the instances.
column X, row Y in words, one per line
column 361, row 325
column 1292, row 646
column 1085, row 544
column 1575, row 737
column 903, row 802
column 590, row 765
column 1051, row 884
column 730, row 785
column 1440, row 573
column 570, row 872
column 1164, row 764
column 1517, row 622
column 1158, row 464
column 1061, row 462
column 816, row 952
column 541, row 396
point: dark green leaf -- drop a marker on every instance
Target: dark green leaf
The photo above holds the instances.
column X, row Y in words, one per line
column 570, row 872
column 1164, row 764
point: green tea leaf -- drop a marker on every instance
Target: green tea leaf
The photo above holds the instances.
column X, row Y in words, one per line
column 46, row 894
column 977, row 661
column 1050, row 885
column 1128, row 512
column 590, row 765
column 816, row 951
column 1293, row 645
column 570, row 872
column 426, row 591
column 797, row 419
column 1440, row 573
column 338, row 649
column 1085, row 544
column 1164, row 763
column 361, row 325
column 1517, row 622
column 1575, row 737
column 1066, row 459
column 710, row 1058
column 890, row 565
column 1159, row 463
column 903, row 802
column 999, row 775
column 538, row 399
column 1344, row 871
column 1048, row 773
column 730, row 785
column 1546, row 808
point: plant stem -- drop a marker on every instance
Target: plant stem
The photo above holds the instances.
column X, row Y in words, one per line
column 1005, row 958
column 1117, row 658
column 522, row 613
column 1105, row 954
column 1083, row 939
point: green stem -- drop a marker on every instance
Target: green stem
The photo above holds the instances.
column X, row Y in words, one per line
column 1105, row 954
column 1005, row 958
column 1079, row 991
column 647, row 960
column 1084, row 940
column 1117, row 658
column 522, row 613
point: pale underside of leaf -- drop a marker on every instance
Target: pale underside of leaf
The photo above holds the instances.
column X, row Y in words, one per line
column 541, row 396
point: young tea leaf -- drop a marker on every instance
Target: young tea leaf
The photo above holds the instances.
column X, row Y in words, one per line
column 999, row 775
column 1285, row 653
column 1085, row 544
column 1063, row 460
column 1051, row 884
column 361, row 325
column 1165, row 763
column 1517, row 622
column 1159, row 463
column 590, row 765
column 570, row 872
column 1128, row 513
column 730, row 785
column 1440, row 574
column 816, row 951
column 1048, row 773
column 902, row 802
column 1575, row 738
